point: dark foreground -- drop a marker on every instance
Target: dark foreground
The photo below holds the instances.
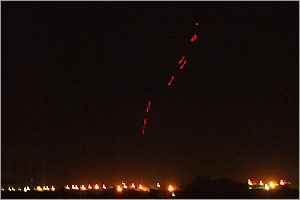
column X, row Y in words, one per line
column 62, row 194
column 200, row 188
column 285, row 193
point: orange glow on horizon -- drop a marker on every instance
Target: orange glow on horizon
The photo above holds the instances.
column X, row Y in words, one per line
column 104, row 187
column 52, row 188
column 272, row 185
column 141, row 187
column 170, row 188
column 119, row 189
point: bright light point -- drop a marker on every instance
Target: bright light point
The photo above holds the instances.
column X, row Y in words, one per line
column 124, row 185
column 96, row 187
column 103, row 186
column 82, row 187
column 28, row 188
column 90, row 187
column 39, row 189
column 119, row 189
column 261, row 183
column 173, row 194
column 197, row 24
column 52, row 188
column 46, row 188
column 250, row 188
column 158, row 185
column 25, row 189
column 2, row 188
column 132, row 185
column 67, row 187
column 250, row 182
column 267, row 187
column 272, row 185
column 170, row 188
column 13, row 189
column 19, row 189
column 141, row 187
column 282, row 182
column 76, row 187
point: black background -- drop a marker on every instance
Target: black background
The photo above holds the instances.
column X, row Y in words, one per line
column 77, row 78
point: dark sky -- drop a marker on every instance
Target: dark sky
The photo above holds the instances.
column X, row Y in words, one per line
column 77, row 78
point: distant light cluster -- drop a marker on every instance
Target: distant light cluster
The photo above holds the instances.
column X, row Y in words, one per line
column 261, row 185
column 118, row 188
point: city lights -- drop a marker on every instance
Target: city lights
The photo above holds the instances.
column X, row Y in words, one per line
column 119, row 188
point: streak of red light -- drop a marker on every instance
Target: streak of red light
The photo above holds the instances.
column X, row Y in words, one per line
column 183, row 64
column 148, row 106
column 181, row 60
column 171, row 80
column 194, row 38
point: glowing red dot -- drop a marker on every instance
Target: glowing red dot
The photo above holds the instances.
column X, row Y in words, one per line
column 197, row 24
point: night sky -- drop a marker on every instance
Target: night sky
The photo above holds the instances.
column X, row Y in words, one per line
column 77, row 78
